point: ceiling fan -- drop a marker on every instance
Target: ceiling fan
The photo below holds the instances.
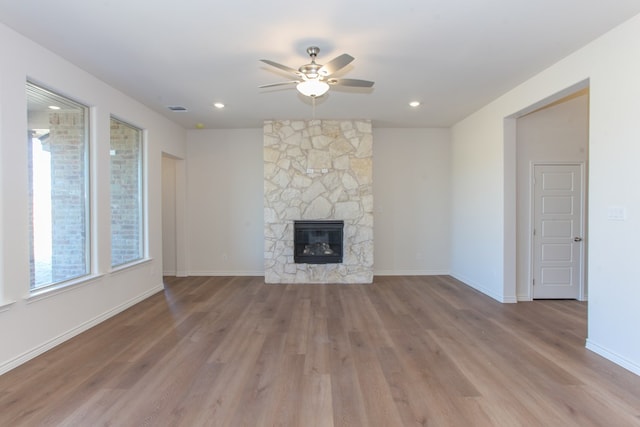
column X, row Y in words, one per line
column 315, row 79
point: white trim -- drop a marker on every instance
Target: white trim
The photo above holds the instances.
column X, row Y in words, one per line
column 48, row 345
column 510, row 206
column 614, row 357
column 261, row 273
column 122, row 267
column 6, row 305
column 225, row 273
column 486, row 291
column 583, row 220
column 509, row 299
column 49, row 291
column 411, row 272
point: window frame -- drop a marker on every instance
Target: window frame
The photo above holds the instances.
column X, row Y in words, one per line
column 142, row 219
column 87, row 139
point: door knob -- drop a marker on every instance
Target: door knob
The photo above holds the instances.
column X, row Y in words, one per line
column 577, row 239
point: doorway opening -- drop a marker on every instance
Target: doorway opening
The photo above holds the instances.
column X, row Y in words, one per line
column 173, row 233
column 552, row 135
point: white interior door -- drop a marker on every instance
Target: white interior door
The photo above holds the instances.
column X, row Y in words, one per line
column 558, row 231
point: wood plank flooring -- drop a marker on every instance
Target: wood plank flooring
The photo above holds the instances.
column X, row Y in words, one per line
column 404, row 351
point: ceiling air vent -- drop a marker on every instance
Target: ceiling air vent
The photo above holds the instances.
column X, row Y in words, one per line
column 177, row 108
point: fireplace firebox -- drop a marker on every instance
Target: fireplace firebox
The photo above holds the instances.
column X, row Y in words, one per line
column 318, row 242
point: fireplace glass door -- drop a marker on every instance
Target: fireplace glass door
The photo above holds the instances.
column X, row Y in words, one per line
column 318, row 242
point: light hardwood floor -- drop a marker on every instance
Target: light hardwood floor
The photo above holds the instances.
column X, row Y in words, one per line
column 404, row 351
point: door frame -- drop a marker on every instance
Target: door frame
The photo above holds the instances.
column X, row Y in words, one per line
column 582, row 291
column 179, row 214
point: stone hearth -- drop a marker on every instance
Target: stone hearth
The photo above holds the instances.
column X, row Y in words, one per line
column 318, row 170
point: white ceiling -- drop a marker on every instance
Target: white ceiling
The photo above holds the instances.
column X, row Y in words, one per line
column 452, row 55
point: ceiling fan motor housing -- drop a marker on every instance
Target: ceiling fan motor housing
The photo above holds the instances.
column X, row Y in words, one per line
column 310, row 70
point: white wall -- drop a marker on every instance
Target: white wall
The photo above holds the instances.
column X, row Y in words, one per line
column 558, row 133
column 225, row 202
column 477, row 211
column 480, row 170
column 411, row 186
column 29, row 326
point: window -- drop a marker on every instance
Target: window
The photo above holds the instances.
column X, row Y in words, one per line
column 126, row 193
column 58, row 153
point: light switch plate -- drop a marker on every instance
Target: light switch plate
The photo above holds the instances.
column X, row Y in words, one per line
column 616, row 213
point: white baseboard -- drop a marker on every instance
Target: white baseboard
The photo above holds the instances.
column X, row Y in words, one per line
column 410, row 272
column 226, row 273
column 614, row 357
column 375, row 273
column 507, row 299
column 37, row 351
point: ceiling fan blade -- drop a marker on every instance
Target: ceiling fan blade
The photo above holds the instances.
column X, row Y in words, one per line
column 335, row 64
column 350, row 82
column 280, row 66
column 278, row 84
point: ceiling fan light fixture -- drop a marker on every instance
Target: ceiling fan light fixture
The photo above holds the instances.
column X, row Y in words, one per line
column 312, row 88
column 313, row 80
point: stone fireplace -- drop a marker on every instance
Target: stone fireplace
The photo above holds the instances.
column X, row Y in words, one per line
column 318, row 170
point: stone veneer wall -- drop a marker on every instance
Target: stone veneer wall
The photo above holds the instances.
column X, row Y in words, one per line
column 318, row 169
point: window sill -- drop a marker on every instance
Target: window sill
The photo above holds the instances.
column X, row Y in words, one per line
column 127, row 266
column 5, row 305
column 40, row 294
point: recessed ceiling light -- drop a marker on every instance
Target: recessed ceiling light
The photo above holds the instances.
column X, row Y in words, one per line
column 414, row 103
column 54, row 107
column 218, row 105
column 177, row 108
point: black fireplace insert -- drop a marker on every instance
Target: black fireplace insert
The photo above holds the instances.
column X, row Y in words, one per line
column 318, row 242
